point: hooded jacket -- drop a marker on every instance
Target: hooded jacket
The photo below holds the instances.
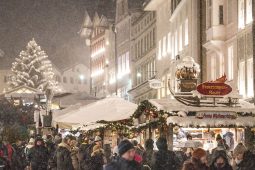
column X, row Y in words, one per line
column 226, row 165
column 64, row 161
column 248, row 162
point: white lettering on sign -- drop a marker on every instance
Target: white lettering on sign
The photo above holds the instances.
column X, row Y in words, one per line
column 216, row 115
column 155, row 84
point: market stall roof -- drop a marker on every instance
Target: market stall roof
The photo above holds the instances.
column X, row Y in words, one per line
column 172, row 105
column 90, row 126
column 193, row 121
column 67, row 99
column 108, row 109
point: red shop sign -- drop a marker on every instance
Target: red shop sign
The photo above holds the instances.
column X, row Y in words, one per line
column 214, row 88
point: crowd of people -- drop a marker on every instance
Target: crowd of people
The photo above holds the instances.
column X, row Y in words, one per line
column 83, row 153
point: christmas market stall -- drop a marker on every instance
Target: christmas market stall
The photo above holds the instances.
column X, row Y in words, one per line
column 104, row 117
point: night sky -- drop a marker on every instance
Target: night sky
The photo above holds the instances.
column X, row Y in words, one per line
column 53, row 23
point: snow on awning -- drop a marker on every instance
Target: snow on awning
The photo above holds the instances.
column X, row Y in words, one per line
column 172, row 105
column 192, row 121
column 90, row 126
column 108, row 109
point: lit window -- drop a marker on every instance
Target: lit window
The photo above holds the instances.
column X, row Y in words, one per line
column 230, row 11
column 164, row 46
column 213, row 67
column 127, row 62
column 230, row 63
column 242, row 79
column 186, row 41
column 180, row 38
column 173, row 51
column 250, row 77
column 241, row 14
column 222, row 65
column 163, row 91
column 159, row 50
column 176, row 44
column 169, row 43
column 248, row 11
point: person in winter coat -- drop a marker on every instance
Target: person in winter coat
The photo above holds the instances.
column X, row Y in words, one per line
column 243, row 158
column 97, row 158
column 198, row 161
column 84, row 154
column 149, row 152
column 229, row 138
column 63, row 155
column 164, row 159
column 38, row 157
column 220, row 161
column 126, row 160
column 74, row 153
column 19, row 158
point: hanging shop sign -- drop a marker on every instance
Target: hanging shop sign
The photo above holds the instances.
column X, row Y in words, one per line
column 216, row 115
column 155, row 84
column 215, row 88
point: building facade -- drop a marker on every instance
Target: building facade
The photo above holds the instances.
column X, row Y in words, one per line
column 127, row 11
column 143, row 52
column 99, row 34
column 178, row 35
column 229, row 43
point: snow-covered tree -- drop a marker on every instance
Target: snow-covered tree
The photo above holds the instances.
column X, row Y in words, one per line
column 32, row 68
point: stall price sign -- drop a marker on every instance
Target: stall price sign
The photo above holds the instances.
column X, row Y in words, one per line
column 216, row 115
column 214, row 89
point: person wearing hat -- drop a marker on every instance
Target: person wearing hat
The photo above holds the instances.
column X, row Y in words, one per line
column 198, row 161
column 126, row 161
column 164, row 159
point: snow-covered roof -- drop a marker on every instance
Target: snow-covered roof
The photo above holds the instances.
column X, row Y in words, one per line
column 172, row 105
column 108, row 109
column 194, row 122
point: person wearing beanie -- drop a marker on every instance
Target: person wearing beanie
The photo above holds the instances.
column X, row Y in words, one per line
column 198, row 161
column 164, row 159
column 126, row 160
